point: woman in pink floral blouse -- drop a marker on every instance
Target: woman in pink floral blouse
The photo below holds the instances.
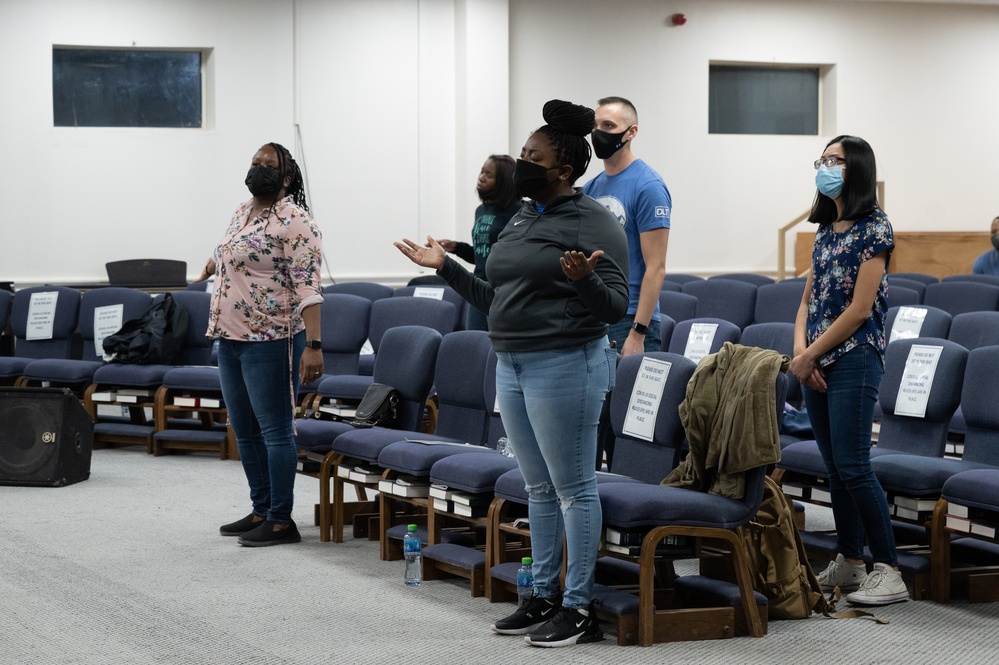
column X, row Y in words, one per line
column 265, row 314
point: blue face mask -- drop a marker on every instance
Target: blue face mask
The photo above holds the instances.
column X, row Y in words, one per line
column 829, row 180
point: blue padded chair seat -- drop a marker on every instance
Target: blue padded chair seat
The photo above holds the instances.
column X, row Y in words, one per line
column 472, row 473
column 122, row 429
column 505, row 572
column 459, row 539
column 416, row 459
column 345, row 386
column 456, row 555
column 191, row 435
column 317, row 436
column 978, row 488
column 701, row 591
column 137, row 376
column 916, row 475
column 634, row 505
column 804, row 457
column 613, row 571
column 614, row 601
column 13, row 367
column 61, row 370
column 510, row 485
column 367, row 444
column 193, row 378
column 975, row 551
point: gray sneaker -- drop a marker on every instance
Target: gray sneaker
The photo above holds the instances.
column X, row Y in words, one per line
column 840, row 573
column 882, row 587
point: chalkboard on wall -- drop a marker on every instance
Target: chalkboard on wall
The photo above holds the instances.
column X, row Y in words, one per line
column 126, row 88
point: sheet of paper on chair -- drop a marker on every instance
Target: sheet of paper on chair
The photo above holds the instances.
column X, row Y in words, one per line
column 917, row 380
column 646, row 395
column 431, row 442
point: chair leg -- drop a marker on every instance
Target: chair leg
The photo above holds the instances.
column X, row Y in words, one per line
column 940, row 554
column 326, row 470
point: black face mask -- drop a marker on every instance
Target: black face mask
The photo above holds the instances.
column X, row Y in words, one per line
column 606, row 144
column 995, row 241
column 262, row 181
column 530, row 179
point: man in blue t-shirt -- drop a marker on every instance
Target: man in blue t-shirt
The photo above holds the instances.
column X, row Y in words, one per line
column 638, row 197
column 988, row 263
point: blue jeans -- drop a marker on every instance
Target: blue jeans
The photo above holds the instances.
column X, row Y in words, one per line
column 260, row 386
column 618, row 332
column 841, row 419
column 550, row 404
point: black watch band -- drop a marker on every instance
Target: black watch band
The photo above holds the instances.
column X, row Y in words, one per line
column 314, row 344
column 640, row 328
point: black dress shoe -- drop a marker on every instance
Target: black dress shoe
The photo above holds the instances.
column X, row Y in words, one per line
column 239, row 527
column 266, row 535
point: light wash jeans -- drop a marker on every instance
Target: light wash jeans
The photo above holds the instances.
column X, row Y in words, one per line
column 550, row 404
column 257, row 390
column 841, row 420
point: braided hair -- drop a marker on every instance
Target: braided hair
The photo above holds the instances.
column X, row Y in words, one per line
column 567, row 127
column 287, row 166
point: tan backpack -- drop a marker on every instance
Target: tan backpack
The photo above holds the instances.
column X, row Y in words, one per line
column 777, row 562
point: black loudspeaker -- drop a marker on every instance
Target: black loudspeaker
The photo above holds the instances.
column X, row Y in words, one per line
column 46, row 437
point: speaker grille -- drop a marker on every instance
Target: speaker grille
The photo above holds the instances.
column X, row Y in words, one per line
column 30, row 434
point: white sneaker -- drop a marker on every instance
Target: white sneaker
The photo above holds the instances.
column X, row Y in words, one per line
column 840, row 573
column 883, row 586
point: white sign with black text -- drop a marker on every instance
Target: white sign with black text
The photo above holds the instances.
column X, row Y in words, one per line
column 699, row 340
column 917, row 380
column 435, row 292
column 643, row 407
column 908, row 322
column 107, row 321
column 41, row 315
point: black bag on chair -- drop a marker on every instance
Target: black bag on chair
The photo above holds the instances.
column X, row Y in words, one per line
column 155, row 337
column 377, row 407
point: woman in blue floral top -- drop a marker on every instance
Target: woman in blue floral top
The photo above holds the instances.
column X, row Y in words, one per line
column 265, row 314
column 839, row 347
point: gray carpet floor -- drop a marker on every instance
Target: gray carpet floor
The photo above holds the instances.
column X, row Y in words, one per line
column 128, row 567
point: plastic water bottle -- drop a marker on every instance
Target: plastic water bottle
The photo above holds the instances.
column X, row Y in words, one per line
column 411, row 548
column 503, row 447
column 525, row 582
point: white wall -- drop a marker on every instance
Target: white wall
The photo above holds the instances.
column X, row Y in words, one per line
column 918, row 81
column 399, row 102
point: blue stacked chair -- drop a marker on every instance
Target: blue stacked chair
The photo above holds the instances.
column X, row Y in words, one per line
column 750, row 277
column 960, row 297
column 370, row 290
column 388, row 313
column 981, row 279
column 682, row 278
column 677, row 305
column 410, row 354
column 778, row 302
column 76, row 374
column 727, row 299
column 28, row 345
column 916, row 277
column 343, row 330
column 666, row 327
column 671, row 286
column 930, row 322
column 975, row 544
column 905, row 283
column 683, row 340
column 437, row 291
column 972, row 330
column 899, row 296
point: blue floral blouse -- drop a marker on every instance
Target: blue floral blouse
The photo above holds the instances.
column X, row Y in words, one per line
column 836, row 260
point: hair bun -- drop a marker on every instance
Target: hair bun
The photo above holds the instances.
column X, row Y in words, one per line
column 567, row 117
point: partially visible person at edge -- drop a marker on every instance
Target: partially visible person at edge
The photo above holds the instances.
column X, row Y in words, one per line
column 555, row 279
column 839, row 347
column 499, row 204
column 987, row 263
column 637, row 196
column 265, row 313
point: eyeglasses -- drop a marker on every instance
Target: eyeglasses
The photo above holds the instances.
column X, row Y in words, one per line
column 828, row 161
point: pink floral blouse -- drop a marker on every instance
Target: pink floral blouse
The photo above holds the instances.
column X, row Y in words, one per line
column 266, row 272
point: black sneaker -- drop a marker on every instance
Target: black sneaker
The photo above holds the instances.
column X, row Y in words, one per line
column 566, row 628
column 266, row 535
column 239, row 527
column 535, row 613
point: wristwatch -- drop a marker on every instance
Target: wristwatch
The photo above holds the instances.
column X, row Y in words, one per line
column 640, row 328
column 315, row 344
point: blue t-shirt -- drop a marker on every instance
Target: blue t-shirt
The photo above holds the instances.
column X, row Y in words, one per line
column 836, row 260
column 987, row 264
column 638, row 198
